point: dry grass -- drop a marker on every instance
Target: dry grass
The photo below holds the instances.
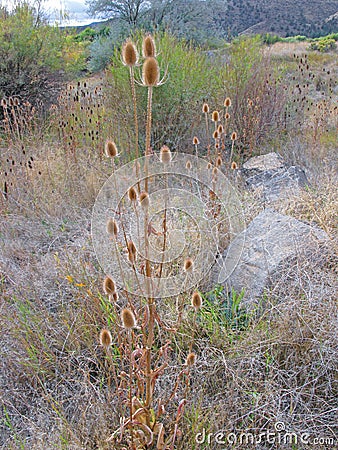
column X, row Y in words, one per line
column 281, row 366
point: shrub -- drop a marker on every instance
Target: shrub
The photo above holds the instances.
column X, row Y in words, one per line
column 323, row 45
column 33, row 55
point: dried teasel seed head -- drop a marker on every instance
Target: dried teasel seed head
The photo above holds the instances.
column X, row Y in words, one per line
column 105, row 338
column 215, row 116
column 215, row 171
column 130, row 54
column 132, row 194
column 234, row 136
column 165, row 155
column 196, row 300
column 128, row 319
column 188, row 165
column 109, row 287
column 234, row 165
column 148, row 47
column 110, row 149
column 227, row 116
column 220, row 129
column 115, row 297
column 131, row 251
column 209, row 166
column 3, row 102
column 195, row 141
column 191, row 359
column 219, row 161
column 144, row 200
column 215, row 134
column 112, row 227
column 151, row 72
column 227, row 102
column 205, row 108
column 188, row 266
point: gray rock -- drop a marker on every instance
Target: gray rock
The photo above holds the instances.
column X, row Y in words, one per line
column 264, row 248
column 272, row 178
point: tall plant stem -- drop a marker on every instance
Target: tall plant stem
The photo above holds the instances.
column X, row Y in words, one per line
column 133, row 93
column 148, row 133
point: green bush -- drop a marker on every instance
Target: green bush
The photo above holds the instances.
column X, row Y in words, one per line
column 192, row 77
column 33, row 55
column 323, row 45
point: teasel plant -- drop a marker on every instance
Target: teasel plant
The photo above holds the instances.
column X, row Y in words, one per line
column 130, row 58
column 142, row 339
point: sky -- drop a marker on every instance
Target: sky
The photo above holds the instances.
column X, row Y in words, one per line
column 75, row 9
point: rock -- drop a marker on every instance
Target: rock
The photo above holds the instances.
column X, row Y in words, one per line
column 272, row 178
column 264, row 248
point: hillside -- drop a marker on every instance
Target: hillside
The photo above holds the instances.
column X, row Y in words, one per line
column 285, row 18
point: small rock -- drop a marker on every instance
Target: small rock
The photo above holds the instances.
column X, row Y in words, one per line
column 272, row 178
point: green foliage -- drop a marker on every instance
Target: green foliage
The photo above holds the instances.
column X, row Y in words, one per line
column 226, row 311
column 32, row 54
column 101, row 51
column 88, row 34
column 270, row 39
column 324, row 44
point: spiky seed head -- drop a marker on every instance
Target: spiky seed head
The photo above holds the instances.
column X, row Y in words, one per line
column 214, row 171
column 205, row 108
column 110, row 149
column 132, row 194
column 129, row 54
column 191, row 359
column 109, row 286
column 16, row 102
column 227, row 116
column 234, row 136
column 128, row 319
column 144, row 200
column 148, row 47
column 188, row 165
column 112, row 227
column 227, row 102
column 131, row 252
column 220, row 129
column 215, row 116
column 209, row 166
column 165, row 154
column 215, row 134
column 151, row 72
column 188, row 265
column 234, row 165
column 3, row 102
column 219, row 161
column 196, row 300
column 195, row 140
column 105, row 338
column 115, row 297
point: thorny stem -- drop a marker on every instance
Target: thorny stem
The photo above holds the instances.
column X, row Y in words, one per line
column 133, row 93
column 207, row 130
column 148, row 132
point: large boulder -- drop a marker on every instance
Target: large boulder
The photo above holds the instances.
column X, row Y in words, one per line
column 257, row 254
column 271, row 177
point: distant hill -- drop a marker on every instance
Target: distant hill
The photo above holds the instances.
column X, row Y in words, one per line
column 286, row 18
column 310, row 18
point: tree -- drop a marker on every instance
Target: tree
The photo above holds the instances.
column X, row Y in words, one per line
column 129, row 11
